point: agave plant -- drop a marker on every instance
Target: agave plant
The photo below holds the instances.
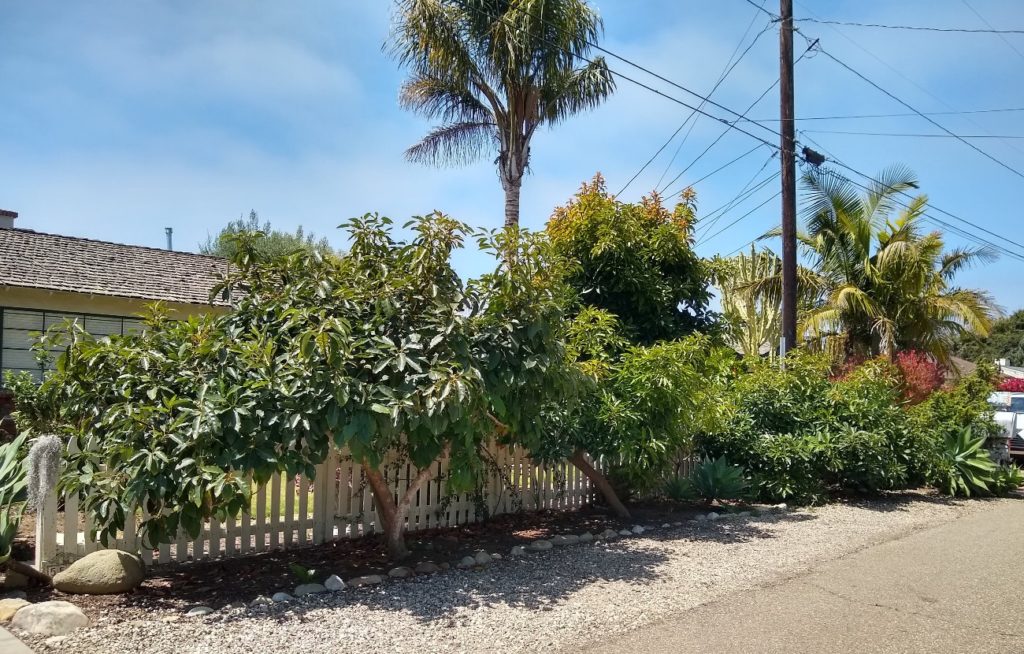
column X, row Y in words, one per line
column 12, row 487
column 970, row 468
column 712, row 479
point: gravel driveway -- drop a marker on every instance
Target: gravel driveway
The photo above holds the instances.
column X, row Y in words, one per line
column 561, row 598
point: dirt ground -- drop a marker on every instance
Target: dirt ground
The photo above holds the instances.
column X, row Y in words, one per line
column 217, row 583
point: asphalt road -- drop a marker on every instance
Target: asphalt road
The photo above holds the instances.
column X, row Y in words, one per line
column 955, row 588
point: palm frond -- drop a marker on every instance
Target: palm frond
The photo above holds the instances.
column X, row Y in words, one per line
column 453, row 145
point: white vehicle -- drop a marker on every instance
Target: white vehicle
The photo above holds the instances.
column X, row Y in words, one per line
column 1010, row 416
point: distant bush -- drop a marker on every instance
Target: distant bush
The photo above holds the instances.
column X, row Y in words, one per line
column 710, row 480
column 1012, row 385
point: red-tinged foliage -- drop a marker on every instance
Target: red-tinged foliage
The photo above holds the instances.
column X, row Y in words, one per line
column 922, row 375
column 1012, row 385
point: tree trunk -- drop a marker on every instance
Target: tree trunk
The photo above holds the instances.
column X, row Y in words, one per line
column 512, row 192
column 579, row 460
column 393, row 514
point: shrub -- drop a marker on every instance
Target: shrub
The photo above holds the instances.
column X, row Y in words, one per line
column 969, row 469
column 1012, row 385
column 710, row 480
column 922, row 375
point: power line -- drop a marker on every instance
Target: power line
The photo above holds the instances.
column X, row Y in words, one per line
column 726, row 71
column 920, row 28
column 711, row 218
column 727, row 164
column 898, row 115
column 727, row 227
column 953, row 228
column 930, row 120
column 999, row 33
column 923, row 136
column 901, row 74
column 726, row 131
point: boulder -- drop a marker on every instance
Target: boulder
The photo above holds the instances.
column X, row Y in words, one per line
column 309, row 589
column 366, row 580
column 401, row 572
column 334, row 583
column 427, row 568
column 10, row 606
column 281, row 597
column 101, row 573
column 53, row 618
column 541, row 545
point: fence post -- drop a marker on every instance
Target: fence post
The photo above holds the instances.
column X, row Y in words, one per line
column 46, row 529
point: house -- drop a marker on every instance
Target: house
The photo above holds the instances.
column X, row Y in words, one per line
column 47, row 278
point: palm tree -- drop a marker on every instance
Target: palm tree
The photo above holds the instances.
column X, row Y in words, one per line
column 885, row 284
column 492, row 72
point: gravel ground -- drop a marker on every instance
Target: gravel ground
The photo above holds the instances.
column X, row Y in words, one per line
column 565, row 597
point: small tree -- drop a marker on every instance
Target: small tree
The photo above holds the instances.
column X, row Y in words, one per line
column 635, row 261
column 274, row 243
column 381, row 350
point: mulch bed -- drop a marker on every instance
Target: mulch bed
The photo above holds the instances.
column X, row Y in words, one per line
column 217, row 583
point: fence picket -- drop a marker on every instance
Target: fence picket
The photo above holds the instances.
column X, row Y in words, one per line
column 342, row 506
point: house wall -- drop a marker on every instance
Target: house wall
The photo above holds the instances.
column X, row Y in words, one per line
column 24, row 312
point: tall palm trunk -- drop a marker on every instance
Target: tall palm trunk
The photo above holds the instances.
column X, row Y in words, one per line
column 512, row 191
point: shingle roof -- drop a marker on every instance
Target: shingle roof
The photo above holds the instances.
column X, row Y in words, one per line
column 79, row 265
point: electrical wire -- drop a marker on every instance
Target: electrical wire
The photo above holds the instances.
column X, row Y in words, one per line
column 999, row 33
column 920, row 136
column 900, row 115
column 951, row 227
column 726, row 71
column 930, row 120
column 735, row 222
column 920, row 28
column 712, row 217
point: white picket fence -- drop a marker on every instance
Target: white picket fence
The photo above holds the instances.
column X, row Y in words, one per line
column 336, row 504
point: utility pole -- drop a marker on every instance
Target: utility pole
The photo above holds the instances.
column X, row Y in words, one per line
column 787, row 157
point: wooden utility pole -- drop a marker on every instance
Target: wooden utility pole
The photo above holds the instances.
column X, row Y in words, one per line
column 788, row 160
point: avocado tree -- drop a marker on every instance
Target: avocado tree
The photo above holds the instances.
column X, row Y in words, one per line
column 643, row 377
column 381, row 350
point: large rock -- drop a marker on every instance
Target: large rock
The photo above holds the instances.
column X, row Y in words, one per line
column 54, row 618
column 309, row 589
column 10, row 606
column 101, row 572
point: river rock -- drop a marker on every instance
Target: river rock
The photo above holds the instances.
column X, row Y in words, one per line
column 334, row 583
column 586, row 537
column 365, row 580
column 262, row 600
column 309, row 589
column 10, row 606
column 559, row 540
column 53, row 618
column 517, row 550
column 609, row 534
column 197, row 611
column 401, row 572
column 625, row 532
column 281, row 597
column 101, row 573
column 427, row 568
column 482, row 558
column 637, row 529
column 541, row 545
column 466, row 563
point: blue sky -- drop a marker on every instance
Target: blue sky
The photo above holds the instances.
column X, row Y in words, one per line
column 124, row 117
